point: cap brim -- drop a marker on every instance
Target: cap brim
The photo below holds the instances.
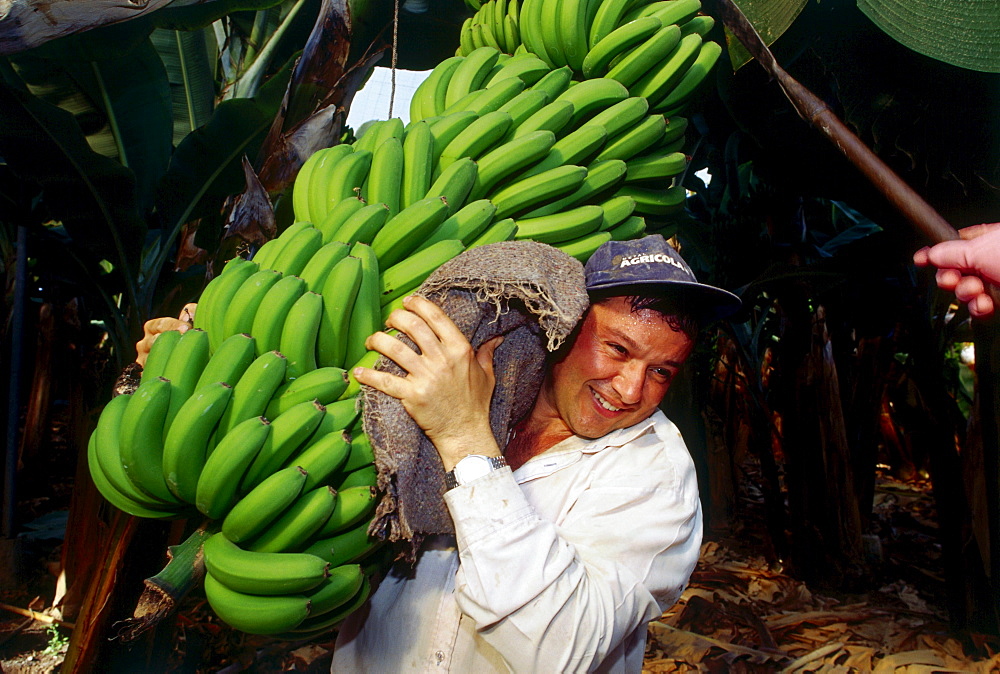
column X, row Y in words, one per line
column 705, row 302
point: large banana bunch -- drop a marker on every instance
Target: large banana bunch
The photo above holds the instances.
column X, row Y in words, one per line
column 655, row 49
column 250, row 418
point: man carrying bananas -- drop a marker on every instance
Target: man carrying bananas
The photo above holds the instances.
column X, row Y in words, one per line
column 587, row 524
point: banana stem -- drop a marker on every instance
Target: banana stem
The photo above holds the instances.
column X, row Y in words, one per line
column 164, row 591
column 813, row 110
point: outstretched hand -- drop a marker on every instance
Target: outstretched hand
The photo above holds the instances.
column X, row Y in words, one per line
column 965, row 266
column 448, row 385
column 154, row 326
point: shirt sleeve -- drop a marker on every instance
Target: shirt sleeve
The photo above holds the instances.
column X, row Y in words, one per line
column 561, row 597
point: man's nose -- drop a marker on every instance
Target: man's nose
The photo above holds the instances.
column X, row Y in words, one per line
column 628, row 383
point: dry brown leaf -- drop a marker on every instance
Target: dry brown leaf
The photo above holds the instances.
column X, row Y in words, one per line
column 922, row 657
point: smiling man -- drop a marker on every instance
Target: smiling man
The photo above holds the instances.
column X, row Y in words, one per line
column 586, row 525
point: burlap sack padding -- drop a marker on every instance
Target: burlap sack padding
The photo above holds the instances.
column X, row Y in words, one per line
column 530, row 293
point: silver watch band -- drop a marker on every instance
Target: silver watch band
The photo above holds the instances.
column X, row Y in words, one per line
column 495, row 463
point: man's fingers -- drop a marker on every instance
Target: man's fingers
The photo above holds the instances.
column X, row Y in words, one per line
column 920, row 257
column 968, row 288
column 947, row 279
column 484, row 356
column 416, row 328
column 187, row 313
column 973, row 231
column 438, row 321
column 389, row 384
column 981, row 306
column 952, row 255
column 395, row 350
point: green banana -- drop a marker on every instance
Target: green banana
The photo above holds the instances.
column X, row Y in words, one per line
column 390, row 128
column 337, row 590
column 265, row 254
column 262, row 573
column 692, row 79
column 253, row 391
column 365, row 315
column 495, row 97
column 323, row 458
column 348, row 176
column 385, row 177
column 671, row 11
column 585, row 246
column 141, row 438
column 573, row 30
column 455, row 183
column 344, row 209
column 267, row 261
column 226, row 465
column 273, row 309
column 418, row 153
column 637, row 62
column 319, row 625
column 601, row 177
column 402, row 234
column 354, row 504
column 503, row 230
column 509, row 158
column 702, row 25
column 531, row 34
column 445, row 129
column 676, row 128
column 324, row 384
column 528, row 68
column 563, row 226
column 465, row 47
column 322, row 263
column 363, row 225
column 552, row 40
column 367, row 136
column 523, row 195
column 319, row 181
column 298, row 335
column 294, row 257
column 263, row 504
column 339, row 415
column 523, row 106
column 159, row 354
column 649, row 201
column 621, row 116
column 186, row 445
column 590, row 96
column 632, row 227
column 255, row 614
column 362, row 453
column 471, row 73
column 655, row 167
column 556, row 82
column 576, row 147
column 410, row 272
column 345, row 547
column 184, row 368
column 288, row 432
column 607, row 18
column 229, row 362
column 429, row 99
column 339, row 295
column 107, row 452
column 617, row 42
column 116, row 498
column 238, row 317
column 637, row 139
column 471, row 220
column 616, row 210
column 366, row 359
column 662, row 78
column 297, row 524
column 476, row 139
column 211, row 313
column 554, row 117
column 366, row 476
column 301, row 191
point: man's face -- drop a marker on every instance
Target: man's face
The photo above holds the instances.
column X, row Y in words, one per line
column 617, row 370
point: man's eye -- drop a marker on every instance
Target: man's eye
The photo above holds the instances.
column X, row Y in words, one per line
column 618, row 348
column 663, row 373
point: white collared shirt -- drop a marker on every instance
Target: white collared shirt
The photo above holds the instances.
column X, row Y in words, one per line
column 556, row 567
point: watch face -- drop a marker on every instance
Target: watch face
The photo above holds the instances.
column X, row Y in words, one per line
column 472, row 467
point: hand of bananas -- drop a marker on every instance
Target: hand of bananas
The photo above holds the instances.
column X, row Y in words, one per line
column 250, row 418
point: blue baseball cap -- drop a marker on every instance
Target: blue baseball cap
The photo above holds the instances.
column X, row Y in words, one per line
column 651, row 266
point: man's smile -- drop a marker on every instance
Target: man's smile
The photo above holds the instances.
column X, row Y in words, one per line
column 603, row 402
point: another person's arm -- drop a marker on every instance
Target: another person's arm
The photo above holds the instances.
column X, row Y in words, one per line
column 153, row 327
column 965, row 266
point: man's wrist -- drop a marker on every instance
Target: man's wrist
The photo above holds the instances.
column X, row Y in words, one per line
column 453, row 451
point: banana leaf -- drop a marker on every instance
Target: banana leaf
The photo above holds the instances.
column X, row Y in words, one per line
column 121, row 102
column 191, row 73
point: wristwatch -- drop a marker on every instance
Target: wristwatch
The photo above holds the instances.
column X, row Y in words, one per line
column 471, row 467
